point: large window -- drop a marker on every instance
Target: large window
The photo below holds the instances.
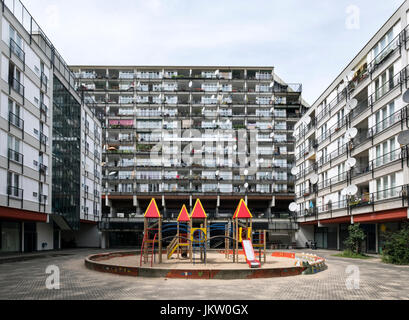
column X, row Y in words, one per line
column 10, row 240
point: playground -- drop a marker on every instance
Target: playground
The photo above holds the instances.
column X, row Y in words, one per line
column 183, row 249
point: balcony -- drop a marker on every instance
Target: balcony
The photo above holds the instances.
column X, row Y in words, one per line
column 42, row 199
column 389, row 86
column 335, row 180
column 14, row 192
column 44, row 80
column 337, row 153
column 330, row 207
column 387, row 123
column 43, row 169
column 17, row 87
column 43, row 139
column 17, row 51
column 16, row 121
column 15, row 156
column 43, row 108
column 389, row 50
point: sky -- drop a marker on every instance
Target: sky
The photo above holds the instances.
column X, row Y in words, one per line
column 308, row 42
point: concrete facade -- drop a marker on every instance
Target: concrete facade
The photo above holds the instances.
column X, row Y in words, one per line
column 350, row 167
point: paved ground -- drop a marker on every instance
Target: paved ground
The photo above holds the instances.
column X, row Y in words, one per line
column 27, row 280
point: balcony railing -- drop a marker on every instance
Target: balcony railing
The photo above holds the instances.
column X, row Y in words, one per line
column 386, row 53
column 43, row 139
column 387, row 123
column 17, row 86
column 43, row 108
column 43, row 168
column 44, row 79
column 15, row 156
column 15, row 49
column 330, row 182
column 16, row 121
column 42, row 199
column 325, row 159
column 15, row 192
column 389, row 86
column 343, row 204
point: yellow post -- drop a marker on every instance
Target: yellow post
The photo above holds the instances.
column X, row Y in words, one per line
column 178, row 242
column 160, row 240
column 265, row 245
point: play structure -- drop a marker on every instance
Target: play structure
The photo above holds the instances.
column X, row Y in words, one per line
column 193, row 250
column 191, row 237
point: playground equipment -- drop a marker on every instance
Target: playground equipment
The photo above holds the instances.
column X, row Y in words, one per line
column 152, row 234
column 243, row 231
column 198, row 235
column 194, row 236
column 181, row 241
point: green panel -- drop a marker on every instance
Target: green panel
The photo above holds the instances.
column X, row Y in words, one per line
column 66, row 155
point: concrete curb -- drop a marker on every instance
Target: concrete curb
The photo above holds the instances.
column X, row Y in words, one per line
column 95, row 263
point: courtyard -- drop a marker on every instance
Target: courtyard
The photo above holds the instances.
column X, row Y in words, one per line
column 26, row 280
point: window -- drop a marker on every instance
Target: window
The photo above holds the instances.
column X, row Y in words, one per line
column 381, row 87
column 14, row 149
column 386, row 187
column 383, row 117
column 386, row 152
column 13, row 184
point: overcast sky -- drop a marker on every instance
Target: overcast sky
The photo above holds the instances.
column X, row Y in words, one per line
column 307, row 42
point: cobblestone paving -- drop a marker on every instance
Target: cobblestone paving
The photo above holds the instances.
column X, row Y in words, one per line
column 26, row 280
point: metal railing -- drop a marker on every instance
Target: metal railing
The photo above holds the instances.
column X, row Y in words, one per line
column 15, row 192
column 343, row 204
column 16, row 120
column 43, row 108
column 43, row 139
column 325, row 159
column 15, row 156
column 43, row 168
column 42, row 199
column 17, row 86
column 14, row 48
column 334, row 180
column 386, row 159
column 386, row 123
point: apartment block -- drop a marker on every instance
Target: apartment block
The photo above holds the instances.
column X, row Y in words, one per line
column 50, row 144
column 350, row 167
column 182, row 133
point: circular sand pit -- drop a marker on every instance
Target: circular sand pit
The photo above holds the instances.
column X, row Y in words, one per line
column 216, row 267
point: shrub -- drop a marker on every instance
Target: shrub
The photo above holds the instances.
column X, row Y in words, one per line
column 396, row 249
column 356, row 236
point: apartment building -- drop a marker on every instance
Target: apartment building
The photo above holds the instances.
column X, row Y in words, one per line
column 181, row 133
column 50, row 144
column 350, row 167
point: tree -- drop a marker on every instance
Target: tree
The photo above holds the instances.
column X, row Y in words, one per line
column 396, row 249
column 356, row 236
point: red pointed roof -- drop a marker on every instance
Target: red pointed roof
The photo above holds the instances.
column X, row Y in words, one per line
column 198, row 211
column 152, row 212
column 184, row 215
column 242, row 211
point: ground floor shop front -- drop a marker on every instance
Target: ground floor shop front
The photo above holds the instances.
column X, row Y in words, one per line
column 332, row 233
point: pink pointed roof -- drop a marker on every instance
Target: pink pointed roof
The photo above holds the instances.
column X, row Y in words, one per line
column 242, row 211
column 198, row 211
column 184, row 215
column 152, row 212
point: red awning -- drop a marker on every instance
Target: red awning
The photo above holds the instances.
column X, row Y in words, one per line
column 22, row 215
column 383, row 216
column 346, row 219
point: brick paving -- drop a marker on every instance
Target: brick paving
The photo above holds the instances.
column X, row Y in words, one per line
column 26, row 280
